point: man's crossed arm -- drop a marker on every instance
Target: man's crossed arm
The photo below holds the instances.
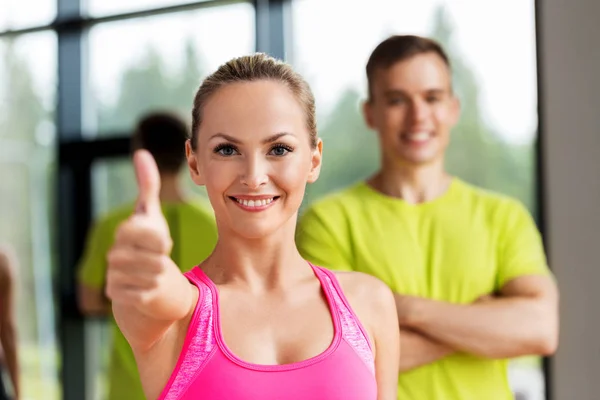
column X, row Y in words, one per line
column 521, row 320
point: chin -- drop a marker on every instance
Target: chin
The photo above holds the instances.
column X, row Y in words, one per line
column 256, row 231
column 421, row 157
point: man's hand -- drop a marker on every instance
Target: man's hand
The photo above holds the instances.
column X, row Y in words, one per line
column 407, row 307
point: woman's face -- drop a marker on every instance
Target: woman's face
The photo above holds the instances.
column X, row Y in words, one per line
column 253, row 154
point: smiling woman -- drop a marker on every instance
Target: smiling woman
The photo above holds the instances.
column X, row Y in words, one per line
column 254, row 147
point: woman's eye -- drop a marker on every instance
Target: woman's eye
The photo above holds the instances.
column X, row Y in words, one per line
column 279, row 151
column 226, row 150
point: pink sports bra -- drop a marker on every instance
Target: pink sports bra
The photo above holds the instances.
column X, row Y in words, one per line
column 208, row 370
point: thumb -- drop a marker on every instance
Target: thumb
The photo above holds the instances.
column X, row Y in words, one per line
column 148, row 181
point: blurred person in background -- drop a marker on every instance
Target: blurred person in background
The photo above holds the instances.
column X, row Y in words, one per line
column 466, row 265
column 9, row 360
column 191, row 223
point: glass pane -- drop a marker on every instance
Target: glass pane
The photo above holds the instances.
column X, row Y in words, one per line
column 158, row 62
column 97, row 8
column 27, row 170
column 113, row 185
column 498, row 126
column 15, row 14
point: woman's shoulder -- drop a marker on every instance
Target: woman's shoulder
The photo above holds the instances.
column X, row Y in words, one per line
column 370, row 298
column 363, row 288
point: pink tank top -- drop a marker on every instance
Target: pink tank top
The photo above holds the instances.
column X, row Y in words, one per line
column 208, row 370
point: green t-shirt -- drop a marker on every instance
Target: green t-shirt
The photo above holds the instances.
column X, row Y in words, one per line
column 467, row 243
column 194, row 233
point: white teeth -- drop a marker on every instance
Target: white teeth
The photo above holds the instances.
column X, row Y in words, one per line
column 254, row 203
column 418, row 136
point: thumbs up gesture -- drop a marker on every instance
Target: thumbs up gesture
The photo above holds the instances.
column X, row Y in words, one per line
column 140, row 272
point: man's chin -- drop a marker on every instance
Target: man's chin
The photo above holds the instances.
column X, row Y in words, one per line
column 421, row 160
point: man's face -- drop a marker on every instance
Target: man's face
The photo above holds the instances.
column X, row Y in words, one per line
column 413, row 109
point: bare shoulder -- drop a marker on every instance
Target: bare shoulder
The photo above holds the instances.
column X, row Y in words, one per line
column 364, row 288
column 370, row 298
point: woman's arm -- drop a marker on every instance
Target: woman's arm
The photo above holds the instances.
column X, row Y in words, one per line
column 387, row 342
column 148, row 292
column 374, row 304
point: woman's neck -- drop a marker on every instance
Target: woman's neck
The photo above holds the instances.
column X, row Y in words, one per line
column 264, row 264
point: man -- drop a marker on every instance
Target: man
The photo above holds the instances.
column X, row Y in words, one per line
column 8, row 338
column 467, row 266
column 191, row 225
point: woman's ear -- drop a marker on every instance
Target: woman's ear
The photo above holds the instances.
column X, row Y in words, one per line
column 193, row 164
column 316, row 159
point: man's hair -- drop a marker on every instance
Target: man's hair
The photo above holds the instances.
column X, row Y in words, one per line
column 400, row 48
column 163, row 134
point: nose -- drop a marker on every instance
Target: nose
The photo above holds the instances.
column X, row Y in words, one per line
column 255, row 172
column 419, row 111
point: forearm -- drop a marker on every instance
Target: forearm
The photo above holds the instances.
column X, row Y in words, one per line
column 9, row 345
column 501, row 328
column 417, row 350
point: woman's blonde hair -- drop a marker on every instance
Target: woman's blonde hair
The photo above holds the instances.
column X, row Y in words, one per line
column 251, row 68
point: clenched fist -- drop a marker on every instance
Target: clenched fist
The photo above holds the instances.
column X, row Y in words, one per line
column 140, row 272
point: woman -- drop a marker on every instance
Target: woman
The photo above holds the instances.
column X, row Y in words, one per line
column 255, row 320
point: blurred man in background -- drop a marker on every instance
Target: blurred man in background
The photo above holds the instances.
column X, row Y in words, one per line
column 192, row 227
column 467, row 266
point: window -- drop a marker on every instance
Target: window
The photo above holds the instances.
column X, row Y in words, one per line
column 114, row 185
column 98, row 8
column 27, row 169
column 494, row 75
column 158, row 62
column 17, row 14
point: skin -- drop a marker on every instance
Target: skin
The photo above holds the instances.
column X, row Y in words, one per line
column 253, row 144
column 8, row 330
column 413, row 109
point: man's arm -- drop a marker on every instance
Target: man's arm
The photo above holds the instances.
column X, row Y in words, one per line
column 8, row 334
column 92, row 301
column 417, row 350
column 523, row 320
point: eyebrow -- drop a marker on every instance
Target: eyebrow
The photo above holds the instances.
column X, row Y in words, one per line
column 270, row 139
column 396, row 92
